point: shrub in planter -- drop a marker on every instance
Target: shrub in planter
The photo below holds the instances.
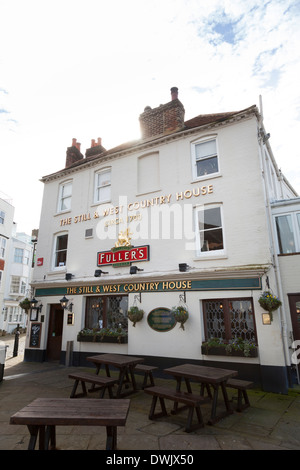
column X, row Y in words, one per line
column 135, row 314
column 181, row 315
column 234, row 347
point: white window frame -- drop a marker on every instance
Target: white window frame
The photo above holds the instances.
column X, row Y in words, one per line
column 62, row 198
column 209, row 253
column 55, row 251
column 97, row 186
column 2, row 247
column 295, row 224
column 18, row 255
column 2, row 217
column 194, row 144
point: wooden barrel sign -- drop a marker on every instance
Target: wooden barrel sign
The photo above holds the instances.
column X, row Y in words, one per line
column 161, row 319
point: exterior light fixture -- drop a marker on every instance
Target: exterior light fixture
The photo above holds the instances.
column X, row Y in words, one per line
column 34, row 305
column 69, row 276
column 134, row 269
column 35, row 309
column 183, row 267
column 98, row 272
column 64, row 302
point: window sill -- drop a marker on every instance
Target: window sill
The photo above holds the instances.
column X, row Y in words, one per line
column 209, row 257
column 205, row 178
column 59, row 214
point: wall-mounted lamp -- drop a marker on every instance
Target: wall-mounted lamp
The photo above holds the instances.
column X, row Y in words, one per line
column 134, row 269
column 69, row 276
column 64, row 302
column 183, row 267
column 34, row 305
column 266, row 318
column 98, row 272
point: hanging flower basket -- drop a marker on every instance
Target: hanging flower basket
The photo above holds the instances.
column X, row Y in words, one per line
column 269, row 302
column 181, row 315
column 135, row 314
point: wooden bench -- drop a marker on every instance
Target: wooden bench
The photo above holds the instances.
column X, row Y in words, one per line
column 242, row 386
column 102, row 384
column 191, row 402
column 148, row 371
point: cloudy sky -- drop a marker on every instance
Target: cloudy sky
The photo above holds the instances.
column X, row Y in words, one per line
column 87, row 69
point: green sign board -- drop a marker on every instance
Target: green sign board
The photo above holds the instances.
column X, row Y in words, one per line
column 253, row 283
column 161, row 319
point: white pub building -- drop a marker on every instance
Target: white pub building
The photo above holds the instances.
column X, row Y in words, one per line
column 178, row 221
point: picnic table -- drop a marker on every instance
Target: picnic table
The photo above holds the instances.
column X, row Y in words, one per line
column 44, row 414
column 208, row 376
column 124, row 363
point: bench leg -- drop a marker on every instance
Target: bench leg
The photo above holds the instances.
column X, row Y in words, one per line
column 190, row 427
column 241, row 406
column 152, row 414
column 111, row 437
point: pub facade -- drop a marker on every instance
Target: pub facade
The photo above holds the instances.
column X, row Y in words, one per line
column 162, row 248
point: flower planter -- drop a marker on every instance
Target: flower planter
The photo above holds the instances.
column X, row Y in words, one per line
column 221, row 351
column 102, row 339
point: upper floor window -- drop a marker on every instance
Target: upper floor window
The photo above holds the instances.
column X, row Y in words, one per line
column 209, row 230
column 205, row 158
column 2, row 217
column 65, row 196
column 288, row 233
column 21, row 256
column 103, row 186
column 15, row 284
column 2, row 247
column 60, row 251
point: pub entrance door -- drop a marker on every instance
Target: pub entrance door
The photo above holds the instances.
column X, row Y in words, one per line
column 294, row 301
column 55, row 332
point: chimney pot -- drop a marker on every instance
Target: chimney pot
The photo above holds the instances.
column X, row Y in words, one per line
column 93, row 143
column 174, row 93
column 74, row 142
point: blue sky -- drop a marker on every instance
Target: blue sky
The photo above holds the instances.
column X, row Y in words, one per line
column 88, row 69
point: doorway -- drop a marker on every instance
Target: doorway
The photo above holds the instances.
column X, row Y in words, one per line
column 55, row 332
column 294, row 301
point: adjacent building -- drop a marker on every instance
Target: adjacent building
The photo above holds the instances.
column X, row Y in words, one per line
column 182, row 217
column 15, row 270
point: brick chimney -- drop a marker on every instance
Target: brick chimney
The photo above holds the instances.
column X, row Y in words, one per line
column 165, row 119
column 73, row 153
column 95, row 149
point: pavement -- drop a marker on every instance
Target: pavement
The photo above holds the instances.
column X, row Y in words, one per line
column 272, row 422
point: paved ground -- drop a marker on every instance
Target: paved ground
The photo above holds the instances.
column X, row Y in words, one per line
column 271, row 423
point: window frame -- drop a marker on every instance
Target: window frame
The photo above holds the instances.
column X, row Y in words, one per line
column 97, row 187
column 55, row 251
column 208, row 253
column 102, row 303
column 62, row 198
column 2, row 247
column 2, row 217
column 204, row 140
column 227, row 320
column 295, row 224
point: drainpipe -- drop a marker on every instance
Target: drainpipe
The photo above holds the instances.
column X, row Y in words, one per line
column 282, row 315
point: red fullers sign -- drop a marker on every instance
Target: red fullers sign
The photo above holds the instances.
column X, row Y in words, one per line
column 123, row 255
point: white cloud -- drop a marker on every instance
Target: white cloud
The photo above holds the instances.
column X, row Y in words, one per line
column 87, row 69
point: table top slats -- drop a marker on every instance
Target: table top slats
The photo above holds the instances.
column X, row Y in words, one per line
column 117, row 360
column 69, row 411
column 201, row 373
